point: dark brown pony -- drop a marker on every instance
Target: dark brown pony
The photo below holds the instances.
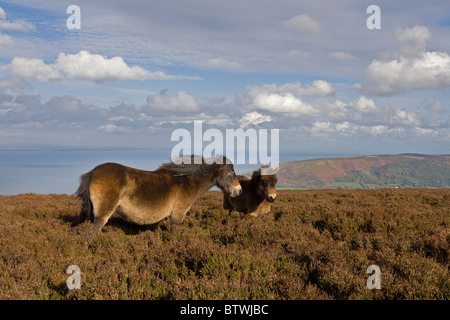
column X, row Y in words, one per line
column 147, row 197
column 257, row 195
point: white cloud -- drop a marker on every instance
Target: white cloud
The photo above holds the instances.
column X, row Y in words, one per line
column 112, row 128
column 342, row 56
column 430, row 71
column 88, row 66
column 220, row 63
column 318, row 88
column 364, row 105
column 321, row 129
column 19, row 25
column 83, row 65
column 413, row 40
column 286, row 99
column 120, row 118
column 181, row 102
column 414, row 69
column 426, row 132
column 253, row 118
column 5, row 40
column 16, row 25
column 377, row 130
column 305, row 23
column 343, row 126
column 282, row 103
column 405, row 118
column 34, row 69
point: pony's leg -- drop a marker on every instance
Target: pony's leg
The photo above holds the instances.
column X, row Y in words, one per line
column 262, row 209
column 103, row 210
column 99, row 222
column 226, row 203
column 177, row 217
column 179, row 213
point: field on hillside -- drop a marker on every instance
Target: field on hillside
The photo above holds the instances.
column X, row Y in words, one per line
column 367, row 172
column 315, row 244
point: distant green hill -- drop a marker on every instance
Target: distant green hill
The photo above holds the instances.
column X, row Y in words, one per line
column 382, row 171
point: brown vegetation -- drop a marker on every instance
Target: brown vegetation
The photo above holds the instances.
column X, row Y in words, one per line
column 313, row 245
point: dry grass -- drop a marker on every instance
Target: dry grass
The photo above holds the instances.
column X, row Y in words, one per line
column 314, row 245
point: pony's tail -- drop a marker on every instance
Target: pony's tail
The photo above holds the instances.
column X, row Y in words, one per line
column 86, row 207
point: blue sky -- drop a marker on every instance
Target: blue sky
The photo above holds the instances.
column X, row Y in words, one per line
column 138, row 70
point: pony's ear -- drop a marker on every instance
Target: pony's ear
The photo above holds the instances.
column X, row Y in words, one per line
column 256, row 175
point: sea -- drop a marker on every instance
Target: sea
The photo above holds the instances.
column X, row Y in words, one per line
column 58, row 170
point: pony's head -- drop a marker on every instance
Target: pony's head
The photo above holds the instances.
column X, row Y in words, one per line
column 226, row 177
column 219, row 167
column 266, row 183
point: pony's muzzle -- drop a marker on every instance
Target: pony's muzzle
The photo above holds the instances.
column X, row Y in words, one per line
column 236, row 191
column 271, row 198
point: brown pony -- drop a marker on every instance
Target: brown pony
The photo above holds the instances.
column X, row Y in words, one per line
column 147, row 197
column 258, row 193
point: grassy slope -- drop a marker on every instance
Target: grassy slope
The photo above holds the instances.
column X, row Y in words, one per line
column 407, row 170
column 313, row 245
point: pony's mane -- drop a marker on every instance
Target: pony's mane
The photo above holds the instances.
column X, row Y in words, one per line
column 188, row 165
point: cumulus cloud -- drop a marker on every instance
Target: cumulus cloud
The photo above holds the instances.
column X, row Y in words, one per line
column 342, row 56
column 424, row 132
column 181, row 102
column 253, row 118
column 414, row 69
column 287, row 99
column 82, row 65
column 321, row 128
column 13, row 85
column 343, row 126
column 376, row 130
column 364, row 105
column 19, row 25
column 316, row 88
column 34, row 69
column 305, row 24
column 220, row 63
column 5, row 40
column 87, row 66
column 112, row 128
column 405, row 118
column 286, row 103
column 413, row 40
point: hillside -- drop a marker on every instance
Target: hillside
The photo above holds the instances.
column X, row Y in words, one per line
column 315, row 244
column 381, row 171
